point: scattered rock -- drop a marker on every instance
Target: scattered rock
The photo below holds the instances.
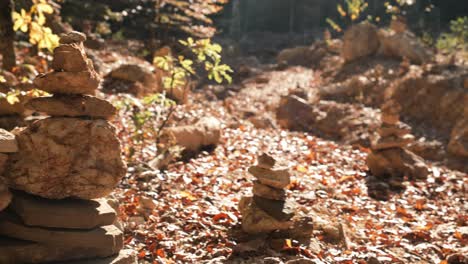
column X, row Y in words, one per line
column 403, row 45
column 84, row 82
column 66, row 213
column 458, row 144
column 72, row 106
column 397, row 162
column 145, row 80
column 206, row 132
column 66, row 157
column 109, row 239
column 8, row 142
column 359, row 41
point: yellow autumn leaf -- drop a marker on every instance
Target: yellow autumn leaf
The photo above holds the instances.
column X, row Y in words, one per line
column 21, row 20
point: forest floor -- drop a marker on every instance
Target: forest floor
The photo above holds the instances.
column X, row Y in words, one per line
column 188, row 213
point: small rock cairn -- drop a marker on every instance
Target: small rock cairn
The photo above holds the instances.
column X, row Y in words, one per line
column 390, row 156
column 269, row 209
column 65, row 165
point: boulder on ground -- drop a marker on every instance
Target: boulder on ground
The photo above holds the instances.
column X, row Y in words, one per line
column 295, row 113
column 458, row 144
column 84, row 82
column 65, row 213
column 5, row 195
column 143, row 79
column 109, row 239
column 302, row 55
column 360, row 41
column 8, row 142
column 403, row 45
column 397, row 162
column 206, row 132
column 66, row 157
column 126, row 256
column 72, row 106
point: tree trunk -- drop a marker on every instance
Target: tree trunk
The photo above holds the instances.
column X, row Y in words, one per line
column 7, row 35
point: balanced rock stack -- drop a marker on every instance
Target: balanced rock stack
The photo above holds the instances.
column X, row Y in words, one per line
column 269, row 209
column 65, row 164
column 389, row 155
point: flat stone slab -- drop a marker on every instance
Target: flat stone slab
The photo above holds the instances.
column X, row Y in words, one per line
column 66, row 213
column 124, row 257
column 268, row 192
column 14, row 251
column 72, row 106
column 8, row 142
column 393, row 142
column 390, row 119
column 280, row 210
column 399, row 130
column 108, row 239
column 276, row 177
column 84, row 82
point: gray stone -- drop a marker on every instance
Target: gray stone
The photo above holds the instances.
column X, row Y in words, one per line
column 280, row 210
column 107, row 239
column 268, row 192
column 14, row 251
column 257, row 221
column 66, row 213
column 8, row 142
column 276, row 177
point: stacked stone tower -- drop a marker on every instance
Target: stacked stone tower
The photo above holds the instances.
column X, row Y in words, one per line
column 66, row 163
column 390, row 156
column 269, row 209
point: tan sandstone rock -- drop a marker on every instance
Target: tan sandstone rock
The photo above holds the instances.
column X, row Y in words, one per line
column 72, row 37
column 268, row 192
column 393, row 142
column 359, row 41
column 65, row 213
column 458, row 144
column 397, row 162
column 8, row 142
column 66, row 157
column 5, row 195
column 276, row 177
column 256, row 221
column 126, row 256
column 13, row 251
column 84, row 82
column 108, row 238
column 72, row 106
column 400, row 129
column 70, row 58
column 403, row 45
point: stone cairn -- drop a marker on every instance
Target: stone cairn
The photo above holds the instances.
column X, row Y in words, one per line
column 64, row 165
column 390, row 156
column 269, row 209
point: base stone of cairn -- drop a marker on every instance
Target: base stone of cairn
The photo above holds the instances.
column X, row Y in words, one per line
column 63, row 167
column 389, row 156
column 269, row 210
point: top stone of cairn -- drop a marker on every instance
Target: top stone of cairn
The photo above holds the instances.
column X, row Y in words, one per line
column 72, row 37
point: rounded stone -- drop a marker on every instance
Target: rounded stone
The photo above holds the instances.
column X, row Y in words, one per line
column 66, row 157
